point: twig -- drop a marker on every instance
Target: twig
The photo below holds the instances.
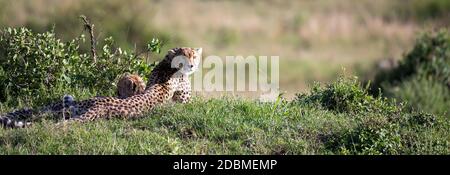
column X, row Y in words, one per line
column 90, row 27
column 136, row 54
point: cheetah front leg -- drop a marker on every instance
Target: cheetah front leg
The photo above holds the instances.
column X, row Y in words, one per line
column 183, row 96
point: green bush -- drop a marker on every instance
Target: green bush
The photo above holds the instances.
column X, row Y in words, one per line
column 423, row 76
column 420, row 9
column 429, row 57
column 41, row 67
column 376, row 118
column 346, row 95
column 378, row 125
column 403, row 133
column 375, row 134
column 422, row 93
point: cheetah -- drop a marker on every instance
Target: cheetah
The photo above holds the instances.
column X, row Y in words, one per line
column 169, row 80
column 129, row 85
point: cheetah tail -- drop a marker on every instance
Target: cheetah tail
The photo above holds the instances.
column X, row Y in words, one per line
column 7, row 120
column 13, row 119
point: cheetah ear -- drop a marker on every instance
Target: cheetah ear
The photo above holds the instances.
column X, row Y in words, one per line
column 173, row 51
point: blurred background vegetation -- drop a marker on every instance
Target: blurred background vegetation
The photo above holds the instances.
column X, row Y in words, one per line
column 314, row 39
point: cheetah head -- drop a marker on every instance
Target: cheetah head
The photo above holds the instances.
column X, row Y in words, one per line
column 185, row 59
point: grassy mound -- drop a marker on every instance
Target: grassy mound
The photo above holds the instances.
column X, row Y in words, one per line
column 343, row 120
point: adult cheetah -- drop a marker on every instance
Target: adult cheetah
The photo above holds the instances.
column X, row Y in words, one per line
column 168, row 80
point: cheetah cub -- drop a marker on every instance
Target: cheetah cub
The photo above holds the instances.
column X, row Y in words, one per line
column 129, row 85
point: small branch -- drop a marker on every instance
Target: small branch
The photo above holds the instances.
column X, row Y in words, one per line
column 90, row 28
column 136, row 55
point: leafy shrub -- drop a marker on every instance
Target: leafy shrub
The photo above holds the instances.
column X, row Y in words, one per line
column 423, row 76
column 32, row 65
column 375, row 134
column 346, row 95
column 422, row 93
column 400, row 133
column 419, row 10
column 429, row 57
column 376, row 124
column 422, row 119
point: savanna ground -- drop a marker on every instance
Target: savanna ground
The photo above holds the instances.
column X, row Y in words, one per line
column 314, row 39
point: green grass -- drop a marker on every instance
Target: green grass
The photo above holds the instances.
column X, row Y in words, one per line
column 422, row 93
column 239, row 126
